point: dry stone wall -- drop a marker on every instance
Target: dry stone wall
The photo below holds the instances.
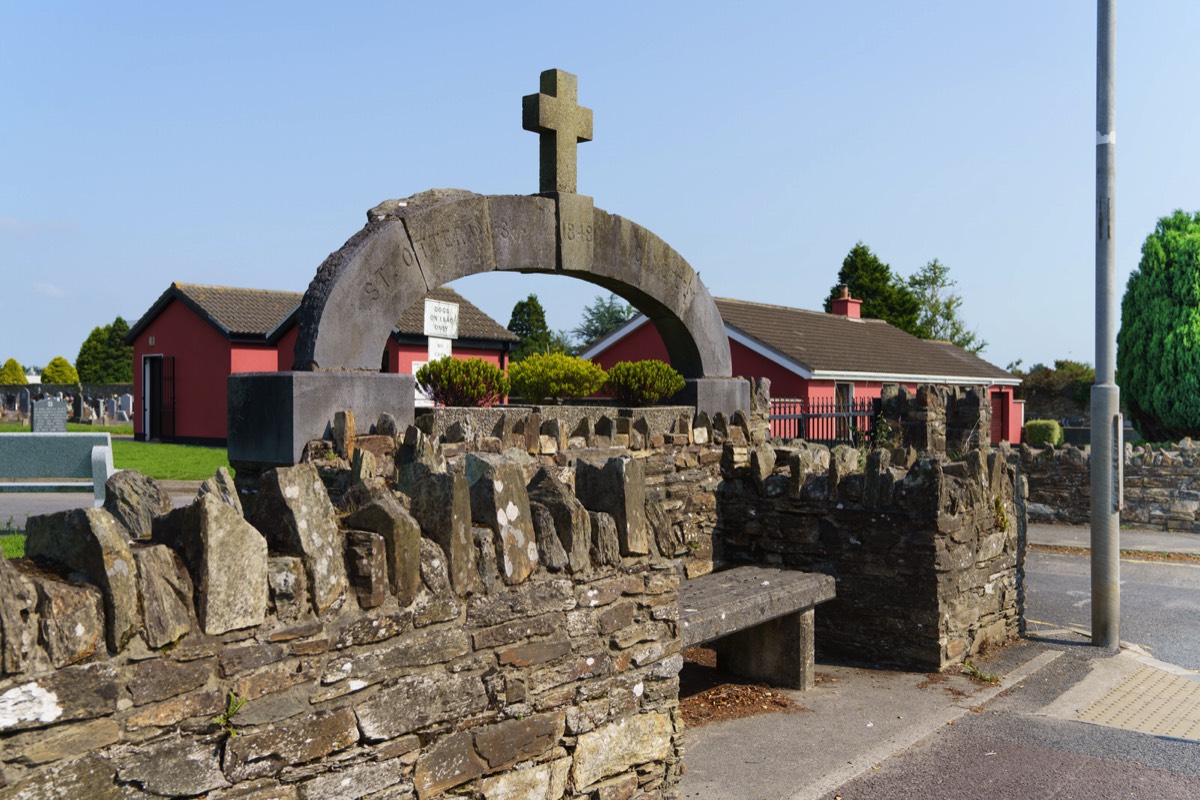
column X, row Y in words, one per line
column 1162, row 485
column 466, row 637
column 928, row 553
column 479, row 608
column 928, row 556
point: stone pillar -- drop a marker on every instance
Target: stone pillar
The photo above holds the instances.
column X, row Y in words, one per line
column 272, row 415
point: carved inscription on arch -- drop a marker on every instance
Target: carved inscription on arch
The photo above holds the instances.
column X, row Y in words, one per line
column 382, row 279
column 413, row 246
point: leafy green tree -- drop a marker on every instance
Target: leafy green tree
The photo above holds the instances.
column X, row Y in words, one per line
column 11, row 373
column 59, row 370
column 104, row 357
column 1158, row 346
column 938, row 314
column 1057, row 391
column 601, row 318
column 528, row 321
column 884, row 296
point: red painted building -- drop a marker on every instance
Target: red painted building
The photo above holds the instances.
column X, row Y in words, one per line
column 194, row 337
column 817, row 358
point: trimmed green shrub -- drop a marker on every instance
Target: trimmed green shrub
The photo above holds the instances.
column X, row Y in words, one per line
column 11, row 373
column 1042, row 432
column 59, row 370
column 454, row 381
column 555, row 376
column 643, row 383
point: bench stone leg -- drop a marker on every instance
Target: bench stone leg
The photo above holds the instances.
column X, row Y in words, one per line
column 102, row 468
column 779, row 651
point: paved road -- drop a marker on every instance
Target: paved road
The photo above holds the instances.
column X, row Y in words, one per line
column 886, row 734
column 16, row 507
column 1160, row 602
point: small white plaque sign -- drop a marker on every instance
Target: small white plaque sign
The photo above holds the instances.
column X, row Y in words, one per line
column 438, row 348
column 441, row 319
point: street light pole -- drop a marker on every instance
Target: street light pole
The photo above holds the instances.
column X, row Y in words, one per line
column 1107, row 449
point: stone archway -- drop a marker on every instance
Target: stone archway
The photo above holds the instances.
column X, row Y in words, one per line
column 409, row 247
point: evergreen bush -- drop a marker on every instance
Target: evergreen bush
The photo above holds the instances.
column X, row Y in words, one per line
column 1042, row 432
column 555, row 377
column 643, row 383
column 1158, row 345
column 12, row 374
column 454, row 381
column 59, row 370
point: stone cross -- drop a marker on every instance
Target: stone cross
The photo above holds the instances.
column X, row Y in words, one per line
column 562, row 123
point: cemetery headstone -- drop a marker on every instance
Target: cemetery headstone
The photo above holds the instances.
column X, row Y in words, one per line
column 23, row 402
column 49, row 416
column 125, row 403
column 110, row 408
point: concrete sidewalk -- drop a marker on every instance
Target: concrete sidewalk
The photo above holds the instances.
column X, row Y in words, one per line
column 1065, row 720
column 1136, row 540
column 873, row 733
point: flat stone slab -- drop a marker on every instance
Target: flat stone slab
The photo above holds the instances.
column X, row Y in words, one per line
column 721, row 603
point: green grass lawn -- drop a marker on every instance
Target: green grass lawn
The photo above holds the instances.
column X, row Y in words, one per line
column 176, row 462
column 13, row 545
column 74, row 427
column 173, row 462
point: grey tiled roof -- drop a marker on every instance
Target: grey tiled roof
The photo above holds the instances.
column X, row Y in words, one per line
column 241, row 312
column 256, row 313
column 829, row 342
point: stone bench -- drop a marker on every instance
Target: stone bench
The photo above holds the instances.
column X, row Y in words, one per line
column 47, row 462
column 759, row 619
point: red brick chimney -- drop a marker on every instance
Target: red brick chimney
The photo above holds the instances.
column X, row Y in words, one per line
column 847, row 306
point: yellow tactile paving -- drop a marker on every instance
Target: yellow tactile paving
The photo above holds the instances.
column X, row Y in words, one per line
column 1151, row 701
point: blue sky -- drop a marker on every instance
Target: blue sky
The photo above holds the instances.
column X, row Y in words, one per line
column 239, row 144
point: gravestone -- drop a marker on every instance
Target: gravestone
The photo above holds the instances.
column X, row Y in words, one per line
column 49, row 416
column 125, row 403
column 110, row 408
column 23, row 402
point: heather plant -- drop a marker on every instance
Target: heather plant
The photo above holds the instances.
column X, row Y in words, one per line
column 454, row 381
column 555, row 377
column 643, row 383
